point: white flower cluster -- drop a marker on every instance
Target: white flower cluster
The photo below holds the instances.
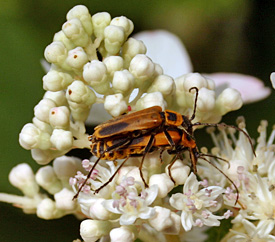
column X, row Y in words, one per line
column 57, row 202
column 93, row 60
column 255, row 179
column 125, row 210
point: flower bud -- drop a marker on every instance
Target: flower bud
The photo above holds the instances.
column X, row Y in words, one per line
column 92, row 230
column 43, row 157
column 22, row 177
column 60, row 117
column 77, row 58
column 81, row 12
column 163, row 84
column 74, row 30
column 56, row 80
column 229, row 100
column 179, row 172
column 114, row 38
column 131, row 171
column 58, row 97
column 123, row 81
column 95, row 72
column 150, row 100
column 113, row 64
column 80, row 93
column 47, row 179
column 125, row 23
column 142, row 68
column 79, row 112
column 185, row 82
column 62, row 139
column 100, row 22
column 115, row 105
column 46, row 209
column 163, row 182
column 42, row 109
column 44, row 127
column 122, row 234
column 64, row 200
column 206, row 101
column 31, row 137
column 165, row 221
column 131, row 48
column 66, row 167
column 61, row 37
column 56, row 53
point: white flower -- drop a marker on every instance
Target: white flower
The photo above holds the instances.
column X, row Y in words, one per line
column 132, row 203
column 197, row 205
column 251, row 232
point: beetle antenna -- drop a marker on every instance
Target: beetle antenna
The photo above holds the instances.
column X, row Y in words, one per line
column 237, row 190
column 195, row 104
column 228, row 126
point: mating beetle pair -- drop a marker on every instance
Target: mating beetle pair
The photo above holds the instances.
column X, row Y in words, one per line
column 142, row 132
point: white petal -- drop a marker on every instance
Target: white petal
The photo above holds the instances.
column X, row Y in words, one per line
column 167, row 50
column 152, row 192
column 251, row 88
column 127, row 219
column 212, row 220
column 264, row 227
column 147, row 213
column 108, row 204
column 186, row 221
column 191, row 184
column 176, row 201
column 216, row 191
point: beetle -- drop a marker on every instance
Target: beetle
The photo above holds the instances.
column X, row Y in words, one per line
column 114, row 138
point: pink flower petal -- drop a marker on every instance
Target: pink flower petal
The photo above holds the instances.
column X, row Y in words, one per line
column 251, row 88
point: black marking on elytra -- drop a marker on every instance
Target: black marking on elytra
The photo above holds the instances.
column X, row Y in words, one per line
column 113, row 128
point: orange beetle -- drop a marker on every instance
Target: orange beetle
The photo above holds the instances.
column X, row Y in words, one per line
column 144, row 131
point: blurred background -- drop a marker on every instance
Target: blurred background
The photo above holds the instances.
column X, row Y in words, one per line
column 220, row 36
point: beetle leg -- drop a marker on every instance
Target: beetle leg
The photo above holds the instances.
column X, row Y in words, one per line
column 146, row 150
column 229, row 126
column 178, row 153
column 112, row 177
column 116, row 146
